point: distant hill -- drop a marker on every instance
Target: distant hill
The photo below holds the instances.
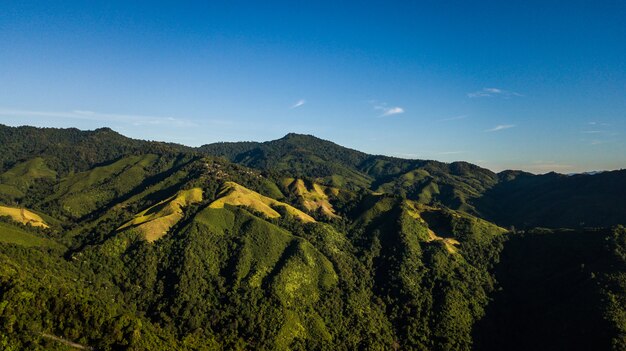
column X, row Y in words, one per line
column 509, row 198
column 298, row 244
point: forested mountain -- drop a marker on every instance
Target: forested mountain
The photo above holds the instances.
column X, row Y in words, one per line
column 111, row 243
column 508, row 198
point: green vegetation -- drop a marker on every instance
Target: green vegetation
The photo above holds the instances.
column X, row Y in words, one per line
column 237, row 195
column 13, row 234
column 24, row 216
column 157, row 220
column 560, row 290
column 298, row 244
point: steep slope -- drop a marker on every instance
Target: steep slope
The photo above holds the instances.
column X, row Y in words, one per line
column 24, row 216
column 555, row 200
column 315, row 198
column 72, row 150
column 13, row 234
column 299, row 155
column 237, row 195
column 560, row 290
column 15, row 182
column 156, row 221
column 432, row 274
column 316, row 247
column 511, row 198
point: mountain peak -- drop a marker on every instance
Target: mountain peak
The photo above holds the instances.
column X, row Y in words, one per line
column 297, row 136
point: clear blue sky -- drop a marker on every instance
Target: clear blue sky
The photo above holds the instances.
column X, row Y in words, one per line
column 533, row 85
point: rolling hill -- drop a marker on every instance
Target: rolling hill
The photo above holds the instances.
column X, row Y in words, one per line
column 298, row 244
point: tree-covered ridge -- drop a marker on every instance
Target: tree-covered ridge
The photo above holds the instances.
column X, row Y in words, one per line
column 156, row 246
column 509, row 198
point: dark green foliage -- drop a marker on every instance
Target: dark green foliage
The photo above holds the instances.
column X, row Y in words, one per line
column 555, row 200
column 298, row 155
column 407, row 265
column 560, row 290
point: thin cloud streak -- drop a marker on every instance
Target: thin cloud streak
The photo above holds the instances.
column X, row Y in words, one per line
column 393, row 111
column 136, row 120
column 493, row 92
column 500, row 127
column 388, row 111
column 298, row 103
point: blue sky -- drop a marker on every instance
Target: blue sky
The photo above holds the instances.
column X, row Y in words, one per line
column 533, row 85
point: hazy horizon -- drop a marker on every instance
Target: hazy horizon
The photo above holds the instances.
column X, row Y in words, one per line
column 536, row 86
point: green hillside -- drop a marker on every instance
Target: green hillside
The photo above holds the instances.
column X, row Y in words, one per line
column 510, row 198
column 10, row 233
column 298, row 244
column 560, row 290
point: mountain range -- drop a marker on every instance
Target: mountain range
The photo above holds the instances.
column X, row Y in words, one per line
column 111, row 243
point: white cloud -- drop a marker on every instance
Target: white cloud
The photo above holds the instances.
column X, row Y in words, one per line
column 388, row 110
column 393, row 111
column 500, row 127
column 298, row 103
column 493, row 92
column 136, row 120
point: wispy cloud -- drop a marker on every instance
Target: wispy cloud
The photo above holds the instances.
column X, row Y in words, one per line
column 136, row 120
column 393, row 111
column 387, row 110
column 500, row 127
column 298, row 103
column 493, row 92
column 599, row 133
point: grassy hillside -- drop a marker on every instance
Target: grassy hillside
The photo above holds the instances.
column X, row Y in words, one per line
column 157, row 220
column 315, row 197
column 298, row 244
column 237, row 195
column 13, row 234
column 24, row 216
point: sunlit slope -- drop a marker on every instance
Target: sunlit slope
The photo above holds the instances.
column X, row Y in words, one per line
column 237, row 195
column 23, row 216
column 314, row 197
column 449, row 226
column 156, row 221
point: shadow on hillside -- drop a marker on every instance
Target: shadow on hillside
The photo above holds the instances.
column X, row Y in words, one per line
column 556, row 201
column 550, row 298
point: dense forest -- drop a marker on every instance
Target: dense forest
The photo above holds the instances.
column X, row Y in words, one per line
column 110, row 243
